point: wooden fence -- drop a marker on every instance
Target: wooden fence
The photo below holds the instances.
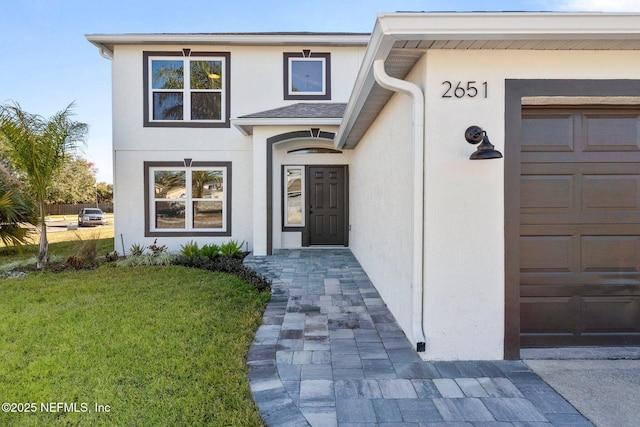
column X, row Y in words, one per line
column 74, row 209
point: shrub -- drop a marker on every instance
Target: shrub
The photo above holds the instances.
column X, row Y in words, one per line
column 231, row 249
column 155, row 249
column 164, row 258
column 89, row 249
column 227, row 265
column 86, row 255
column 137, row 249
column 189, row 249
column 111, row 256
column 210, row 251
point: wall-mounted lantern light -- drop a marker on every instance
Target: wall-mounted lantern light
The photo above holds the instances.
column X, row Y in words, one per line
column 476, row 135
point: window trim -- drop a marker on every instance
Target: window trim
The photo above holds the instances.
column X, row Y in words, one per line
column 187, row 165
column 306, row 55
column 186, row 54
column 303, row 190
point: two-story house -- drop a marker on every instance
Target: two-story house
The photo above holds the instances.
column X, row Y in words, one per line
column 289, row 140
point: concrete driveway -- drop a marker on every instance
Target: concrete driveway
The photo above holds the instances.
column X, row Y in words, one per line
column 602, row 383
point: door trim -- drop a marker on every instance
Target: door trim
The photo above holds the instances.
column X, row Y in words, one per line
column 514, row 91
column 271, row 141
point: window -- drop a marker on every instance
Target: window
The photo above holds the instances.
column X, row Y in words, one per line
column 314, row 150
column 188, row 200
column 307, row 75
column 293, row 200
column 186, row 91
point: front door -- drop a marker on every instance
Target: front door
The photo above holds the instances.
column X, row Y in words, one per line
column 327, row 205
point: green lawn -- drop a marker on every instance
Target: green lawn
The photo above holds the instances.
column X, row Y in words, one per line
column 158, row 345
column 62, row 244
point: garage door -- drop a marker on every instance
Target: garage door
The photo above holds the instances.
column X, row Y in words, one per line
column 580, row 226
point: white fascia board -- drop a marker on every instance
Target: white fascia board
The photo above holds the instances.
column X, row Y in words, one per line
column 106, row 42
column 510, row 25
column 379, row 47
column 245, row 125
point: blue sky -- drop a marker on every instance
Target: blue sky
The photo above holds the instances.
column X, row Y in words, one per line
column 46, row 62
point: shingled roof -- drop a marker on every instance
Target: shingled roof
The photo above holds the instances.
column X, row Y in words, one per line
column 303, row 110
column 305, row 113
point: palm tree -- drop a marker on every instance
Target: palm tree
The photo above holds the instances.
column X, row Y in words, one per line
column 16, row 210
column 37, row 148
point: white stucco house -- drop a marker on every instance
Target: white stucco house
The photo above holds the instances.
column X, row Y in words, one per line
column 286, row 140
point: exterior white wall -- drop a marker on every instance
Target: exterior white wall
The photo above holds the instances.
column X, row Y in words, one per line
column 256, row 85
column 464, row 218
column 464, row 277
column 381, row 201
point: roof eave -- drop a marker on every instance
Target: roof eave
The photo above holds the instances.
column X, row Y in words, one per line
column 508, row 25
column 408, row 26
column 107, row 42
column 246, row 125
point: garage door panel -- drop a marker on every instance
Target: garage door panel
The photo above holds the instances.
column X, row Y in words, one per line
column 547, row 192
column 546, row 254
column 610, row 254
column 581, row 285
column 549, row 133
column 611, row 132
column 584, row 221
column 554, row 315
column 610, row 314
column 611, row 193
column 580, row 156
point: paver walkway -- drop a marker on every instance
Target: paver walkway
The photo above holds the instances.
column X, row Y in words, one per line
column 330, row 353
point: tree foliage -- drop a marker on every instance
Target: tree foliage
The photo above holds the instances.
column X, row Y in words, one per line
column 74, row 182
column 37, row 148
column 105, row 192
column 17, row 210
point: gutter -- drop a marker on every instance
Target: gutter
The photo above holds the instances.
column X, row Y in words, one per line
column 106, row 54
column 417, row 286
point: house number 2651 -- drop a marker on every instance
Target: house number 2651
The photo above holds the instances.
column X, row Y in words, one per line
column 470, row 89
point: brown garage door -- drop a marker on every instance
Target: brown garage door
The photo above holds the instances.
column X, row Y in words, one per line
column 580, row 226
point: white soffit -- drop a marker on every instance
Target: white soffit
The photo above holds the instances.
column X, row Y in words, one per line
column 402, row 38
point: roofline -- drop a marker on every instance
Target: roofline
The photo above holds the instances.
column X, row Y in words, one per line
column 379, row 47
column 508, row 25
column 106, row 42
column 245, row 124
column 406, row 26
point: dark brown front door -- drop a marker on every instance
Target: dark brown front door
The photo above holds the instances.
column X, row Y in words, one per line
column 580, row 226
column 327, row 205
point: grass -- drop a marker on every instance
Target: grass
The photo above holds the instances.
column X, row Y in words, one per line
column 62, row 244
column 158, row 345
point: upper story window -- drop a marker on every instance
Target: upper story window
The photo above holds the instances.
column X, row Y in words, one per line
column 186, row 89
column 307, row 75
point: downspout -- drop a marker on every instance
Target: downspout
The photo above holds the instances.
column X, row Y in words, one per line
column 417, row 287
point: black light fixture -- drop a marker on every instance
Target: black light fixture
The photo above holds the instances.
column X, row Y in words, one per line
column 476, row 135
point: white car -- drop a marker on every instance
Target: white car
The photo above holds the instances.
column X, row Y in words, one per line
column 91, row 216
